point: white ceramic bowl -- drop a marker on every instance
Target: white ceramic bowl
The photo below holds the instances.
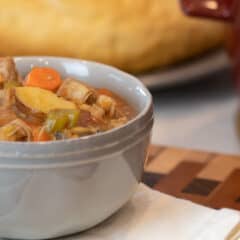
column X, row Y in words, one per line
column 58, row 188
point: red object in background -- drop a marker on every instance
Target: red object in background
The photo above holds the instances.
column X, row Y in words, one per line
column 226, row 10
column 221, row 9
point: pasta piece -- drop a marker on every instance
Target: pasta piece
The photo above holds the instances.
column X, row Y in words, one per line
column 76, row 91
column 82, row 131
column 16, row 130
column 75, row 132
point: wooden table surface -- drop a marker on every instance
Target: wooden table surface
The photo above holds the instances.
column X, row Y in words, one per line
column 209, row 179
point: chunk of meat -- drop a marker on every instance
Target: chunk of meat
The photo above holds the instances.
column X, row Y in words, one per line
column 77, row 92
column 8, row 72
column 108, row 104
column 96, row 111
column 27, row 114
column 86, row 119
column 7, row 98
column 6, row 116
column 7, row 112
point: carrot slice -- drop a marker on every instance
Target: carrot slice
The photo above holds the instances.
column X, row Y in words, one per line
column 40, row 135
column 43, row 77
column 105, row 91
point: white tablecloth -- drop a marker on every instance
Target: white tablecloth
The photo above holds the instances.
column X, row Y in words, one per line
column 151, row 215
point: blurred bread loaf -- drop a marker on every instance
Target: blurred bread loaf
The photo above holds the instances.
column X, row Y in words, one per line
column 135, row 35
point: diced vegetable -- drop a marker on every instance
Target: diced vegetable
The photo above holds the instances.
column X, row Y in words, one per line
column 57, row 120
column 41, row 100
column 45, row 108
column 105, row 91
column 43, row 77
column 77, row 92
column 40, row 134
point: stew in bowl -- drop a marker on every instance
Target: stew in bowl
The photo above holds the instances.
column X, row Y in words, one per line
column 42, row 106
column 85, row 179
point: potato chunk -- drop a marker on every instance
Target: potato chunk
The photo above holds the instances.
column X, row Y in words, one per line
column 41, row 100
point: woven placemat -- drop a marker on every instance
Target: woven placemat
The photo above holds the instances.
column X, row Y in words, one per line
column 209, row 179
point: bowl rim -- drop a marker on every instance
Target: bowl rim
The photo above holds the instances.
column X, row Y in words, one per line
column 147, row 110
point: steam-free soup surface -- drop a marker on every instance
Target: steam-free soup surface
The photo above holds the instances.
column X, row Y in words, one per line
column 42, row 106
